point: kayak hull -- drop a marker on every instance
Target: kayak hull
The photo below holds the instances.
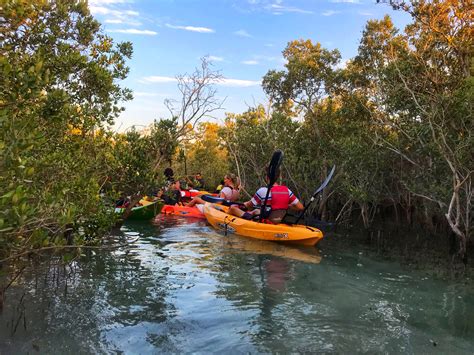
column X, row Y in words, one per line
column 193, row 193
column 218, row 217
column 184, row 211
column 147, row 211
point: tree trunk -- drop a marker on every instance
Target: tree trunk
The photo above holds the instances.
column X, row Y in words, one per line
column 133, row 201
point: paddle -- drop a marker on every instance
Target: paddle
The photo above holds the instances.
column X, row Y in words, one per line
column 275, row 163
column 319, row 189
column 220, row 200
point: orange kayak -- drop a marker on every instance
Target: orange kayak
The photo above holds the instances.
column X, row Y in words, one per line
column 184, row 211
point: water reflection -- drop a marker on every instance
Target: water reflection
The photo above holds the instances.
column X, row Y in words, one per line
column 91, row 301
column 180, row 287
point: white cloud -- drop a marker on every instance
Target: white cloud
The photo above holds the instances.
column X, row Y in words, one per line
column 113, row 15
column 242, row 33
column 250, row 62
column 101, row 10
column 191, row 28
column 342, row 64
column 214, row 58
column 158, row 79
column 278, row 9
column 365, row 13
column 330, row 13
column 116, row 20
column 130, row 13
column 134, row 31
column 275, row 7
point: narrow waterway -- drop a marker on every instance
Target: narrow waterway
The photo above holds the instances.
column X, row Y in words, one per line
column 180, row 287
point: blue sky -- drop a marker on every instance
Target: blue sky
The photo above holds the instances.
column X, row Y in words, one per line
column 244, row 39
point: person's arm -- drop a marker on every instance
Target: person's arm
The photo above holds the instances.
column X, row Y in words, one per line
column 295, row 204
column 248, row 204
column 257, row 199
column 167, row 199
column 235, row 210
column 222, row 194
column 196, row 200
column 177, row 195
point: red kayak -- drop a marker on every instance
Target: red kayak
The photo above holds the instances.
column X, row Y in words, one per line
column 193, row 193
column 184, row 211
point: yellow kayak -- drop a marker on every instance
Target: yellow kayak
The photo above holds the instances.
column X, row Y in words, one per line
column 217, row 216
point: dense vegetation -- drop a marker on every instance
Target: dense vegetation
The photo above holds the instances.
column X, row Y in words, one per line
column 396, row 120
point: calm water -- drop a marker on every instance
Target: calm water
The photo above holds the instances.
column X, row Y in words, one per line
column 181, row 287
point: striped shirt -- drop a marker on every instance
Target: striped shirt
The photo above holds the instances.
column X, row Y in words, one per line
column 259, row 197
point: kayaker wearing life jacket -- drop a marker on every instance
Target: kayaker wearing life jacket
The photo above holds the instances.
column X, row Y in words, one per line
column 279, row 200
column 230, row 192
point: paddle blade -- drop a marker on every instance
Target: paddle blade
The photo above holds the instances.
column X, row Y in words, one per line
column 275, row 163
column 326, row 182
column 320, row 188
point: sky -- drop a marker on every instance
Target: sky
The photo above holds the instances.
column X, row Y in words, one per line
column 244, row 39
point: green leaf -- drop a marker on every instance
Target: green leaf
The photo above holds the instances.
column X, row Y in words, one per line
column 9, row 194
column 38, row 66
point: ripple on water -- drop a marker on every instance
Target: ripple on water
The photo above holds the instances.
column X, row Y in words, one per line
column 180, row 287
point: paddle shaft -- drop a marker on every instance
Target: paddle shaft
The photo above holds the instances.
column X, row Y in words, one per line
column 275, row 163
column 220, row 200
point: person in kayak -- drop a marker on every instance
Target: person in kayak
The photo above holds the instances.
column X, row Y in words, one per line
column 169, row 175
column 172, row 194
column 230, row 192
column 280, row 199
column 220, row 187
column 199, row 182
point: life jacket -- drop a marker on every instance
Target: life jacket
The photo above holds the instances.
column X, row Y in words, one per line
column 280, row 197
column 234, row 194
column 190, row 193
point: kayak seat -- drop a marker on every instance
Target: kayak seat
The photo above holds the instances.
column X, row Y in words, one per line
column 290, row 218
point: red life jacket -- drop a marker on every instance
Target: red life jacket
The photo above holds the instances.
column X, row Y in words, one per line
column 280, row 197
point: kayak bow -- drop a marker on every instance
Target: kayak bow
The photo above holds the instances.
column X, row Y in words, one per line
column 183, row 211
column 146, row 211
